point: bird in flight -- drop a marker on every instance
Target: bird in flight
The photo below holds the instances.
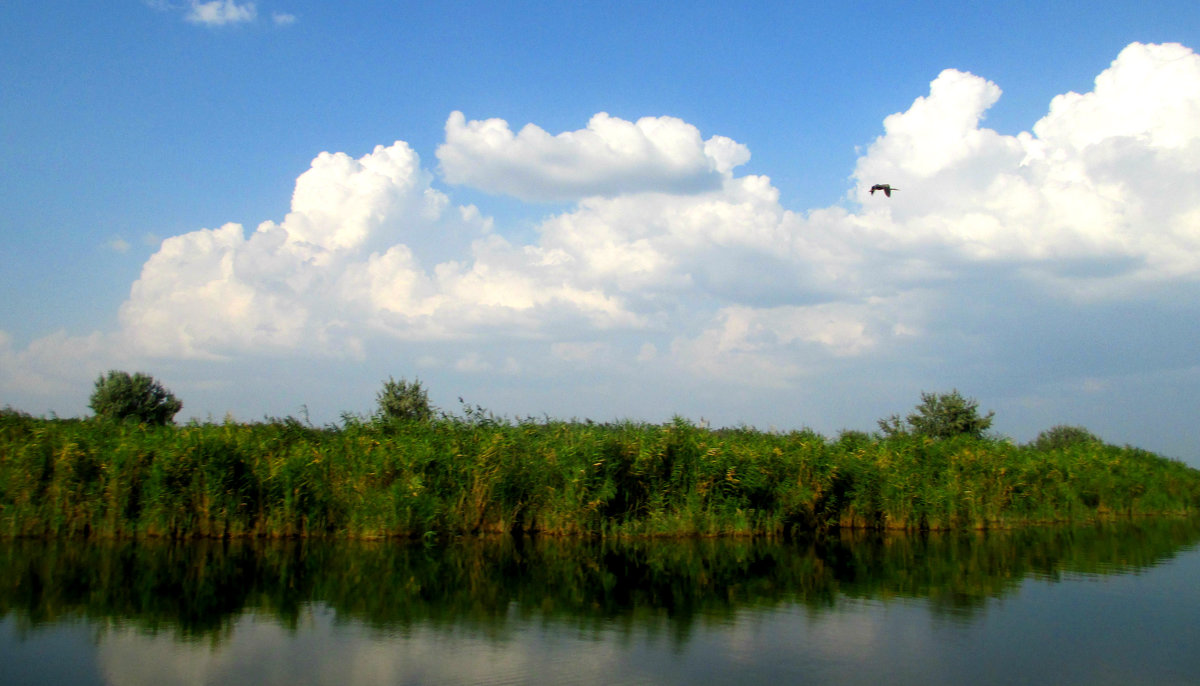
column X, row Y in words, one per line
column 886, row 188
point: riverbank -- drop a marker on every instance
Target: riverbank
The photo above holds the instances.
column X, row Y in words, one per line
column 85, row 477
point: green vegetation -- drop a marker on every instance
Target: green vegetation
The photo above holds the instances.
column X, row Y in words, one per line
column 940, row 415
column 403, row 401
column 416, row 474
column 138, row 398
column 1061, row 437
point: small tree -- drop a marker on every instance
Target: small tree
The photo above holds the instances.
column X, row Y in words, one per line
column 1063, row 436
column 403, row 400
column 119, row 396
column 940, row 415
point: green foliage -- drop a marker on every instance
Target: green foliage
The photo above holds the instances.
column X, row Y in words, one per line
column 1063, row 436
column 404, row 401
column 10, row 411
column 940, row 415
column 852, row 439
column 119, row 396
column 449, row 475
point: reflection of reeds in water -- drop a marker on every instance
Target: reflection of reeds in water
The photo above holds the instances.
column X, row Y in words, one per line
column 198, row 588
column 452, row 476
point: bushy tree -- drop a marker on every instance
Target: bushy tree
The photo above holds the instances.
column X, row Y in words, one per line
column 403, row 400
column 119, row 396
column 940, row 415
column 1063, row 436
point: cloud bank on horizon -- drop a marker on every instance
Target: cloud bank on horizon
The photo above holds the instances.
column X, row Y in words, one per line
column 666, row 256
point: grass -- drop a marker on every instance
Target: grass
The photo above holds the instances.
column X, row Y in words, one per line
column 283, row 478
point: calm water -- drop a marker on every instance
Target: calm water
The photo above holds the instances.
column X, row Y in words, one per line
column 1096, row 605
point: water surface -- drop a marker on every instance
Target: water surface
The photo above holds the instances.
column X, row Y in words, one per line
column 1109, row 604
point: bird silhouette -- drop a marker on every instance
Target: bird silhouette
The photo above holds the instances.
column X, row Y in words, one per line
column 886, row 188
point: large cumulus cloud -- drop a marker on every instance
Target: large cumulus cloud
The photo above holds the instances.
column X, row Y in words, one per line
column 1094, row 189
column 297, row 284
column 358, row 255
column 668, row 259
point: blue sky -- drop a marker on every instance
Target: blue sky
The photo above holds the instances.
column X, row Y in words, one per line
column 609, row 210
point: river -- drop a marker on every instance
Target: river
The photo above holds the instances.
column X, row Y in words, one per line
column 1117, row 603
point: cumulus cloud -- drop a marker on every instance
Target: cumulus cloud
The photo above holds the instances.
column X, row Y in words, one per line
column 290, row 285
column 354, row 255
column 1095, row 183
column 610, row 157
column 1146, row 95
column 668, row 260
column 665, row 238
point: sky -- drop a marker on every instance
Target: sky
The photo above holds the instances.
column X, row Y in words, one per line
column 608, row 211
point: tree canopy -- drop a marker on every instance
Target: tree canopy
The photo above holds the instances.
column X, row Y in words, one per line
column 403, row 400
column 120, row 396
column 940, row 415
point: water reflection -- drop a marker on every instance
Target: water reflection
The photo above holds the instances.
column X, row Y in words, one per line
column 663, row 589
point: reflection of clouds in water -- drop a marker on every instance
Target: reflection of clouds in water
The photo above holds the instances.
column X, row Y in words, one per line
column 869, row 642
column 325, row 650
column 1033, row 630
column 1036, row 636
column 861, row 643
column 832, row 645
column 254, row 651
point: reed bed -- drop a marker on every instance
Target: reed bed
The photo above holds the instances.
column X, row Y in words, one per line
column 449, row 476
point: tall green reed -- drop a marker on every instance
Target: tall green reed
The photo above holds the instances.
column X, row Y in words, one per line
column 481, row 474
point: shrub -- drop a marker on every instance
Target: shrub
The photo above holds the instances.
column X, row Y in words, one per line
column 1062, row 436
column 940, row 415
column 119, row 396
column 851, row 439
column 403, row 400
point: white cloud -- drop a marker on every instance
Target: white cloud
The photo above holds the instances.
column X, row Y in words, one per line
column 1096, row 182
column 220, row 12
column 340, row 202
column 610, row 157
column 667, row 260
column 58, row 366
column 574, row 351
column 354, row 255
column 775, row 346
column 1147, row 94
column 283, row 18
column 940, row 129
column 347, row 260
column 210, row 292
column 306, row 284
